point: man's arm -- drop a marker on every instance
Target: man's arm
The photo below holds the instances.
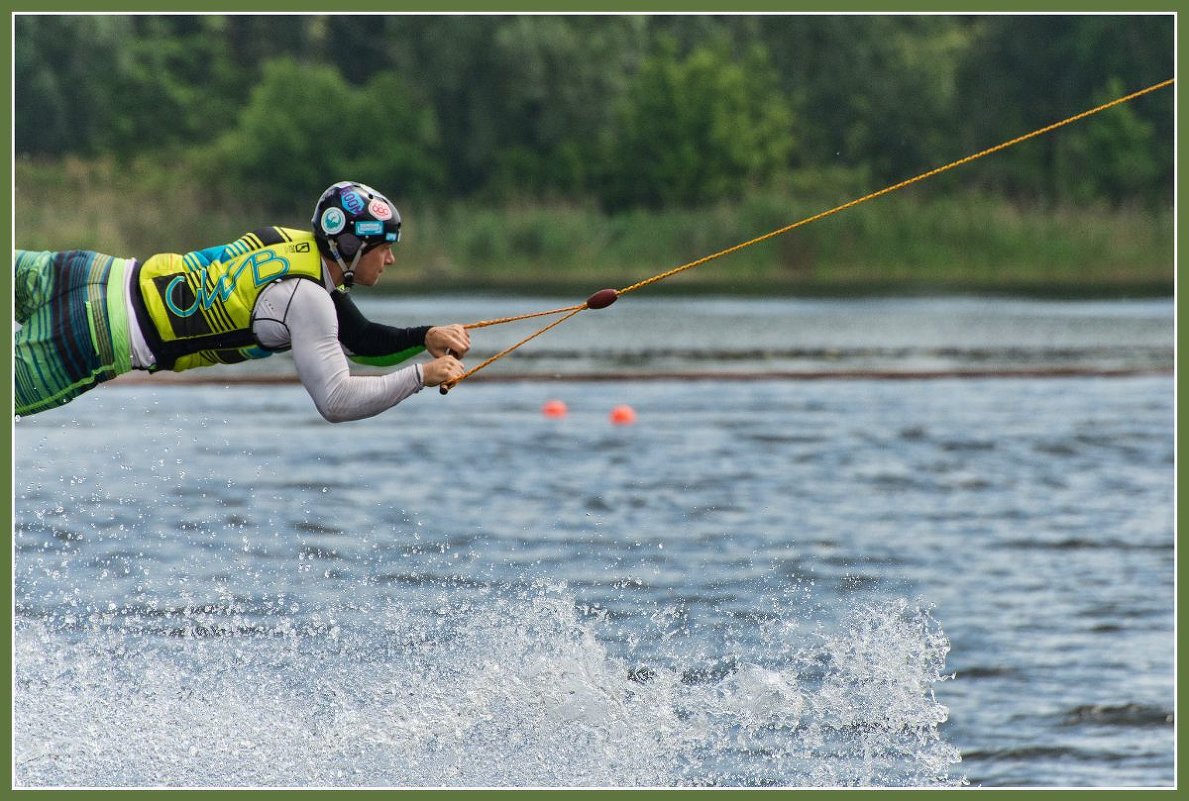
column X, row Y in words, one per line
column 383, row 345
column 322, row 367
column 373, row 343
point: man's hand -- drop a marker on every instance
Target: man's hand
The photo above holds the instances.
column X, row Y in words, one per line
column 440, row 370
column 443, row 339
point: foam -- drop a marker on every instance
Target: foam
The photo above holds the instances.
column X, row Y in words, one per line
column 505, row 688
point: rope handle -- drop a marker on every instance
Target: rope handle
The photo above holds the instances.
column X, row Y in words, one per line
column 599, row 300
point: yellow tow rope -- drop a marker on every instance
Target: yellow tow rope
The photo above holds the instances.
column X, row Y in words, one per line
column 606, row 297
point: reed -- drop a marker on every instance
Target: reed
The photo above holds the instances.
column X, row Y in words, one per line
column 914, row 241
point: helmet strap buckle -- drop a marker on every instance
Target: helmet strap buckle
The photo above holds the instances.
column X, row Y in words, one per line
column 348, row 272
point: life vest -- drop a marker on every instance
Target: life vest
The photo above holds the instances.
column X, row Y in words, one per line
column 197, row 309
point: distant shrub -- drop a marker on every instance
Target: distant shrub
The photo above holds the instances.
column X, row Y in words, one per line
column 305, row 127
column 697, row 130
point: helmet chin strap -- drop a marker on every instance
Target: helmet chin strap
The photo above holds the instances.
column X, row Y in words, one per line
column 348, row 272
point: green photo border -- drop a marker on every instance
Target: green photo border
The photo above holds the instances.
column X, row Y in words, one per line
column 527, row 6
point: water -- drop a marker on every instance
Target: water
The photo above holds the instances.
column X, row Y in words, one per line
column 838, row 582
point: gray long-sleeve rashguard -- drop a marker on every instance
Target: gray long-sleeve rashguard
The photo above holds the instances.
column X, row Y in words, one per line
column 299, row 314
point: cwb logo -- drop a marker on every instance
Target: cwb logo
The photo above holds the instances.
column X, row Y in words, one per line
column 333, row 221
column 266, row 266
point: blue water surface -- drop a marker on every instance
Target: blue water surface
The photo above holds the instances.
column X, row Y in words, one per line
column 836, row 582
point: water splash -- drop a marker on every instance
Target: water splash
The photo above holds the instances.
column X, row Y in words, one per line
column 503, row 688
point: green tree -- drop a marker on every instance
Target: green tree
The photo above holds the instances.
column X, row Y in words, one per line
column 178, row 85
column 1025, row 72
column 65, row 100
column 577, row 106
column 697, row 129
column 305, row 127
column 521, row 100
column 1115, row 156
column 134, row 84
column 873, row 93
column 562, row 77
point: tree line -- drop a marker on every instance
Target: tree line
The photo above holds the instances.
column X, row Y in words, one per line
column 633, row 111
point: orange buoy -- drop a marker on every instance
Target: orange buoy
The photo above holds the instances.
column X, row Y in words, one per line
column 623, row 415
column 554, row 408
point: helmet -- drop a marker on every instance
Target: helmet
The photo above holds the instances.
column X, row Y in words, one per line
column 350, row 219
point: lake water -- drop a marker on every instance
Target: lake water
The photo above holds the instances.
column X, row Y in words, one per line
column 764, row 581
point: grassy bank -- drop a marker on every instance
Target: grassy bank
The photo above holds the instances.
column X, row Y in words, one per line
column 905, row 242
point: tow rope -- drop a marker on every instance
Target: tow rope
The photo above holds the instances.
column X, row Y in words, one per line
column 605, row 297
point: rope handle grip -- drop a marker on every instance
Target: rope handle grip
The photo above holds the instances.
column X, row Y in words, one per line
column 599, row 300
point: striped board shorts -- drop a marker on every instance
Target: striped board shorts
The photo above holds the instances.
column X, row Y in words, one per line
column 74, row 327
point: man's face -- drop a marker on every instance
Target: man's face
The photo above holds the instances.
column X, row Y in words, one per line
column 372, row 263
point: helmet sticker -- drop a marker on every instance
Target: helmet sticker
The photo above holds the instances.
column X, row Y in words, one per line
column 369, row 228
column 351, row 201
column 333, row 221
column 379, row 209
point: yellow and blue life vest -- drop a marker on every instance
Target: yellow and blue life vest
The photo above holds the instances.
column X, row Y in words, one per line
column 196, row 309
